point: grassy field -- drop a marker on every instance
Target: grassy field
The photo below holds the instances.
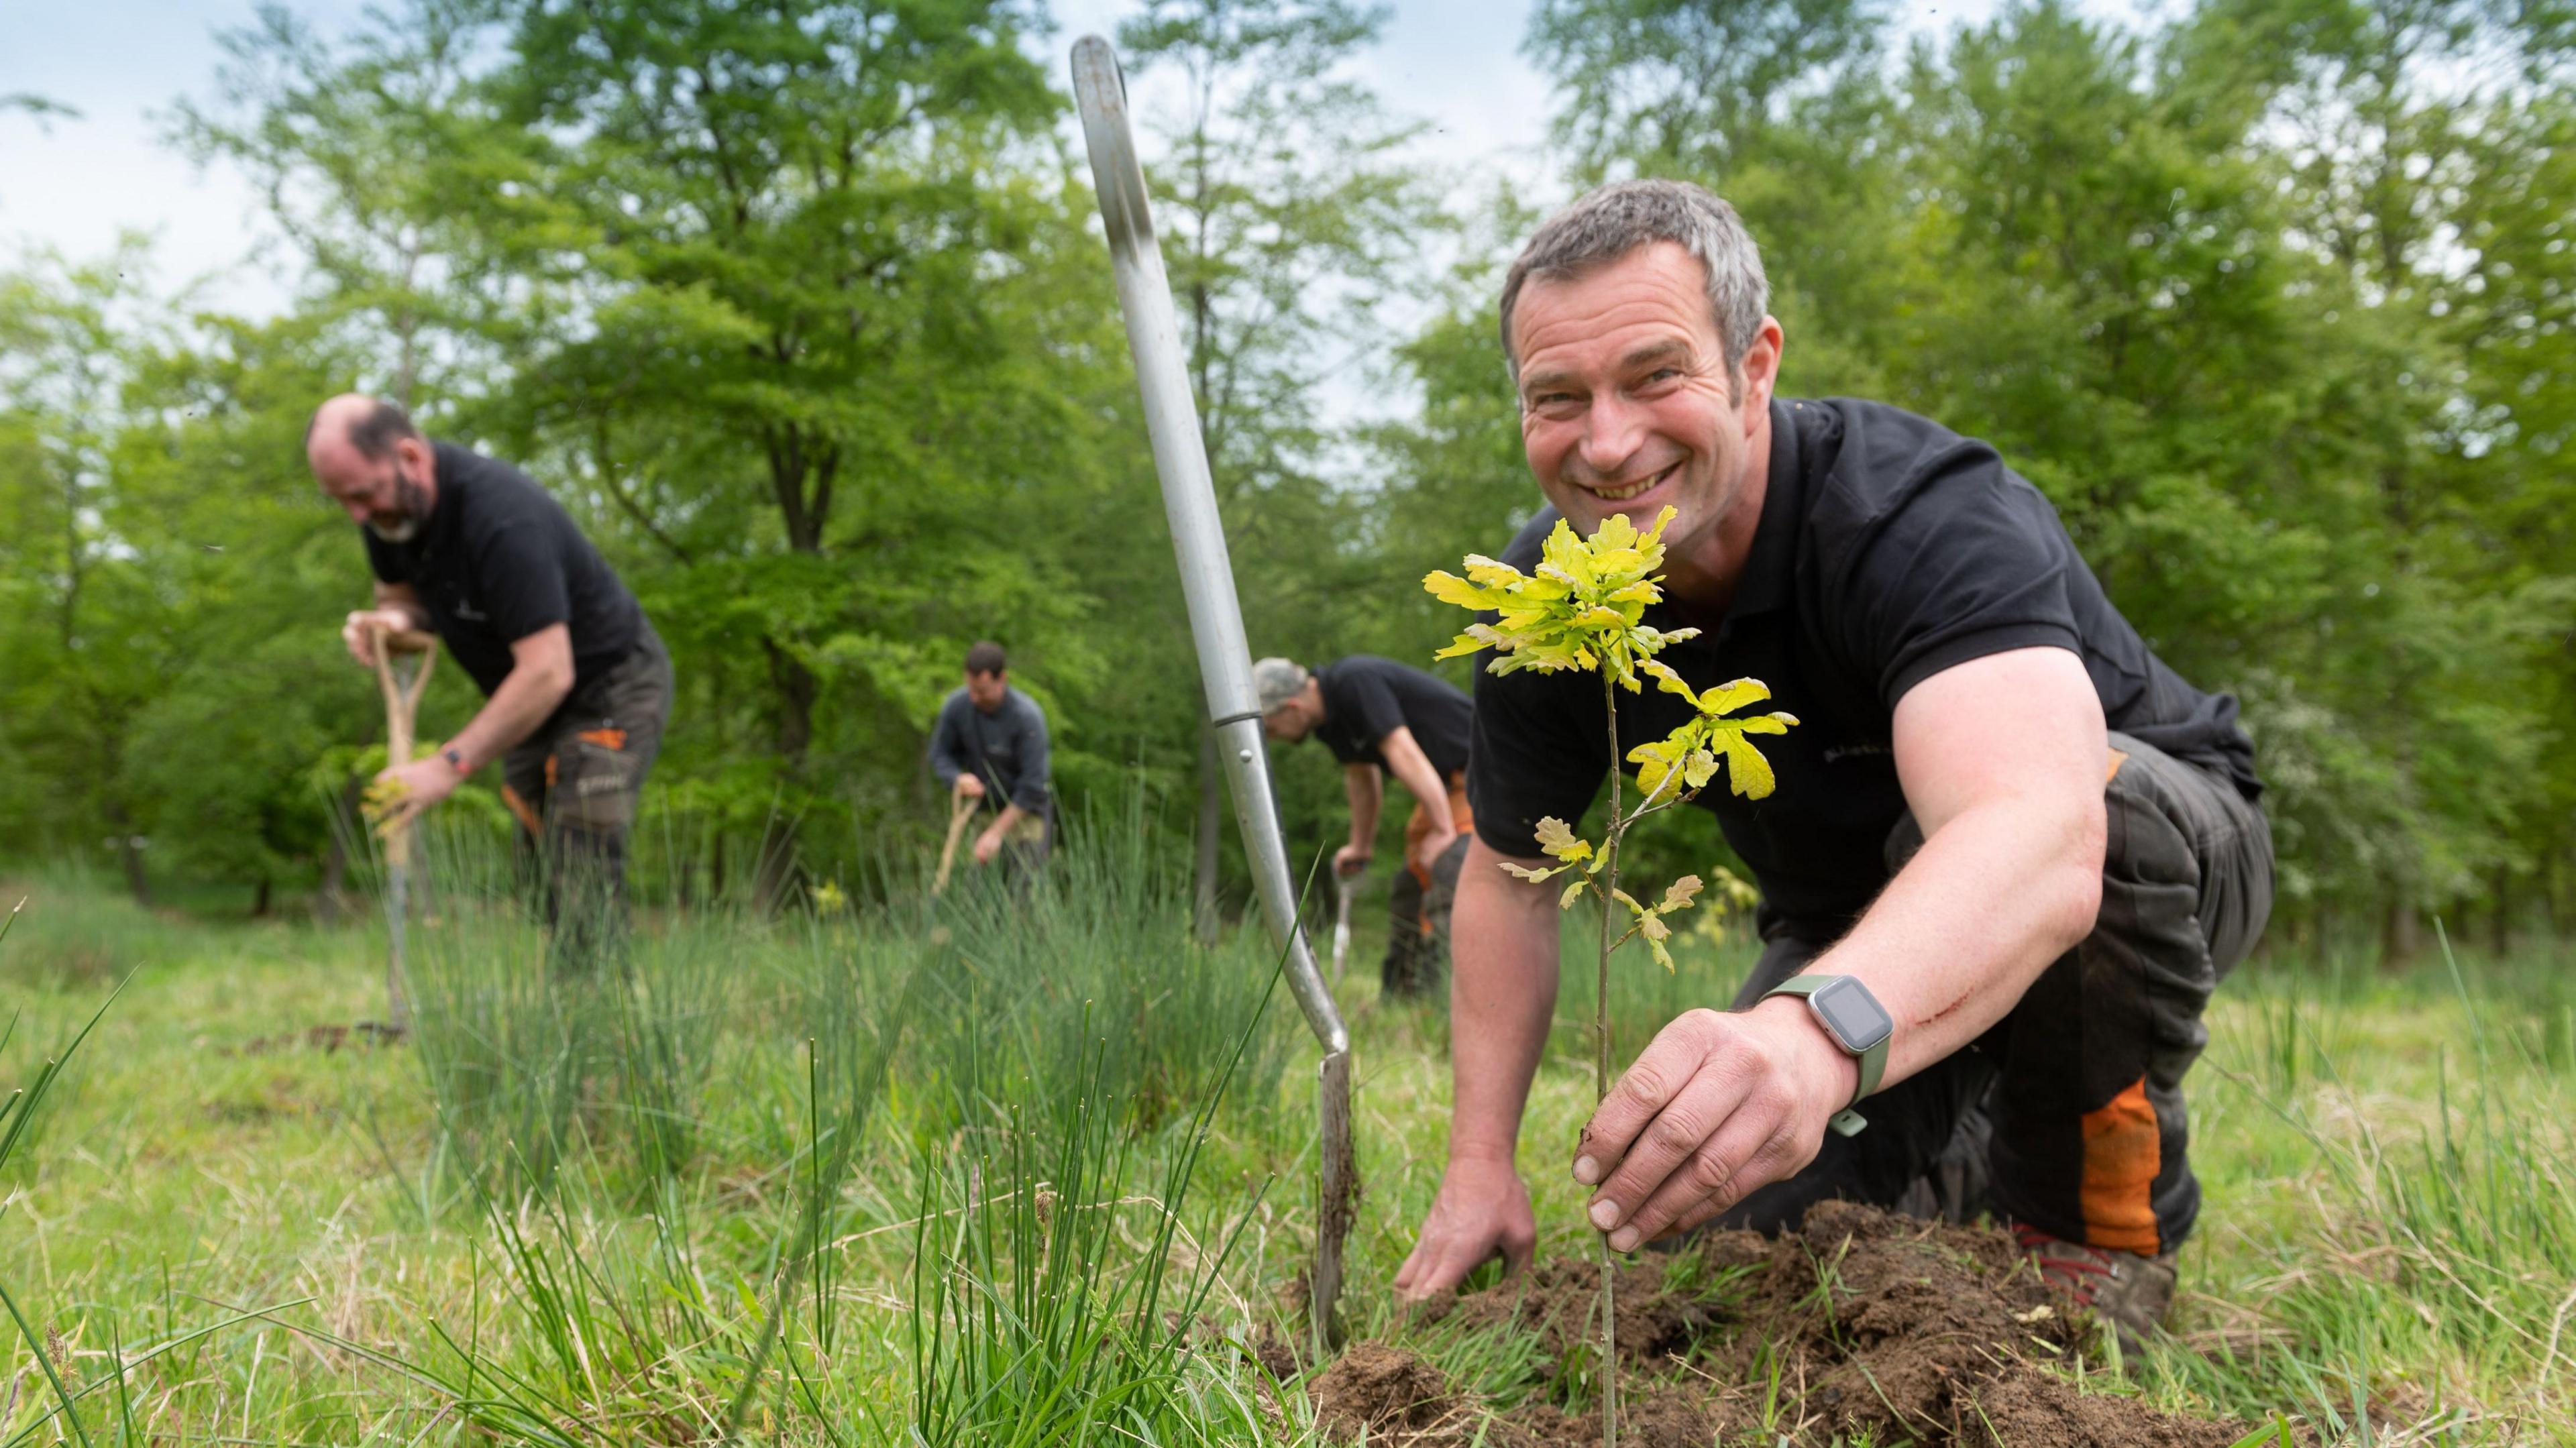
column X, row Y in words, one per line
column 1040, row 1175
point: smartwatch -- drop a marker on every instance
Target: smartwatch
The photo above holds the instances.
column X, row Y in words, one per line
column 455, row 760
column 1855, row 1021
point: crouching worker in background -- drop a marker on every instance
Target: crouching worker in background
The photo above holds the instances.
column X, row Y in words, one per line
column 577, row 683
column 990, row 747
column 1380, row 717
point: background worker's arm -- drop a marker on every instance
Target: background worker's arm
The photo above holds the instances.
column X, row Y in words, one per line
column 541, row 674
column 2009, row 879
column 948, row 752
column 1028, row 791
column 1406, row 761
column 1367, row 791
column 989, row 843
column 398, row 610
column 1502, row 992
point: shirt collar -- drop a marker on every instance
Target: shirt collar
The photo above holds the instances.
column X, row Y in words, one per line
column 1774, row 554
column 444, row 514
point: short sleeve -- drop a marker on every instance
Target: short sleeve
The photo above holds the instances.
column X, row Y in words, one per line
column 1375, row 713
column 1538, row 749
column 520, row 578
column 1973, row 562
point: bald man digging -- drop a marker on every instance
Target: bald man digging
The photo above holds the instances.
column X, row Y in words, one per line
column 578, row 684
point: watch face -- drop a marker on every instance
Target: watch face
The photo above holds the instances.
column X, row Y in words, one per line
column 1852, row 1014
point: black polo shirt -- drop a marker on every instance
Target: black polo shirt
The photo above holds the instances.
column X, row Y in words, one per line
column 1366, row 698
column 497, row 560
column 1890, row 548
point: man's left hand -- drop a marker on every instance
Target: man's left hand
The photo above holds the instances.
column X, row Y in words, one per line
column 423, row 782
column 987, row 845
column 1432, row 846
column 1720, row 1104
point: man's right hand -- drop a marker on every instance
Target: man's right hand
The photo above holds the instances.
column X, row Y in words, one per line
column 968, row 786
column 1350, row 859
column 1483, row 1209
column 364, row 624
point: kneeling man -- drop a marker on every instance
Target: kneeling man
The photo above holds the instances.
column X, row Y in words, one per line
column 2010, row 854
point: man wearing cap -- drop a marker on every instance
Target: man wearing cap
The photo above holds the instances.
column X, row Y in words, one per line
column 990, row 747
column 2010, row 855
column 1379, row 717
column 578, row 684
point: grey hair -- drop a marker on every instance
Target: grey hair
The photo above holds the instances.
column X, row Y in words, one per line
column 1611, row 221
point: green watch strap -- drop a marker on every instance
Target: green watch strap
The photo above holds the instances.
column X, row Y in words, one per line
column 1872, row 1056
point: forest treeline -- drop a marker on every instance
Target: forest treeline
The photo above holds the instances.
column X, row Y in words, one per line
column 803, row 310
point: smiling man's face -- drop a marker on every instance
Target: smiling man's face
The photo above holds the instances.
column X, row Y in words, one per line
column 1626, row 406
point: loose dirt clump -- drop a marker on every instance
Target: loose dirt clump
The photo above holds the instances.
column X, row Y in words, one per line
column 1394, row 1397
column 1559, row 1301
column 1664, row 1419
column 326, row 1038
column 1858, row 1322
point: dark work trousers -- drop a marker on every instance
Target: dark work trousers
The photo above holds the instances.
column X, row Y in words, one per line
column 2068, row 1113
column 1021, row 863
column 1419, row 902
column 574, row 785
column 1417, row 924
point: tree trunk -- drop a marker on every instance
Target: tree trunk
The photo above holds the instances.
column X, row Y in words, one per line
column 796, row 688
column 259, row 900
column 129, row 853
column 774, row 874
column 2399, row 934
column 1211, row 820
column 2500, row 924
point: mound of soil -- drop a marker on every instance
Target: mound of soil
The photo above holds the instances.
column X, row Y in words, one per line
column 1391, row 1396
column 325, row 1038
column 1858, row 1322
column 1556, row 1302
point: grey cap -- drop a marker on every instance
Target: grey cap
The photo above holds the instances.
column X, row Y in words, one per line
column 1276, row 681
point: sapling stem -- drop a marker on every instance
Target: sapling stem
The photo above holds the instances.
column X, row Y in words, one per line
column 1601, row 1066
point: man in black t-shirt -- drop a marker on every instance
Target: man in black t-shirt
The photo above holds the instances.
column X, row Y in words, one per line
column 579, row 686
column 2000, row 817
column 1379, row 717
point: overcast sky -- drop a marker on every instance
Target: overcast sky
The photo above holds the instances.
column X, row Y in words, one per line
column 73, row 184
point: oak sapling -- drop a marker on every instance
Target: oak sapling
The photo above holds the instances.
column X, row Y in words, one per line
column 1583, row 609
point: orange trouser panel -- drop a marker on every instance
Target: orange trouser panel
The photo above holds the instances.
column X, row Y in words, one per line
column 2122, row 1153
column 519, row 807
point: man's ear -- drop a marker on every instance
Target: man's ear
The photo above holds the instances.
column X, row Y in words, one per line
column 1760, row 367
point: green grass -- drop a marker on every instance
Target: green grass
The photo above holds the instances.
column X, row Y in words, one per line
column 1041, row 1172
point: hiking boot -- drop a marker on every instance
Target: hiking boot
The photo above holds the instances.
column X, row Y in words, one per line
column 2129, row 1290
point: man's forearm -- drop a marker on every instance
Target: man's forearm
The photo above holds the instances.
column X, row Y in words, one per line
column 524, row 701
column 1405, row 759
column 1360, row 782
column 1992, row 898
column 1502, row 994
column 400, row 599
column 1011, row 815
